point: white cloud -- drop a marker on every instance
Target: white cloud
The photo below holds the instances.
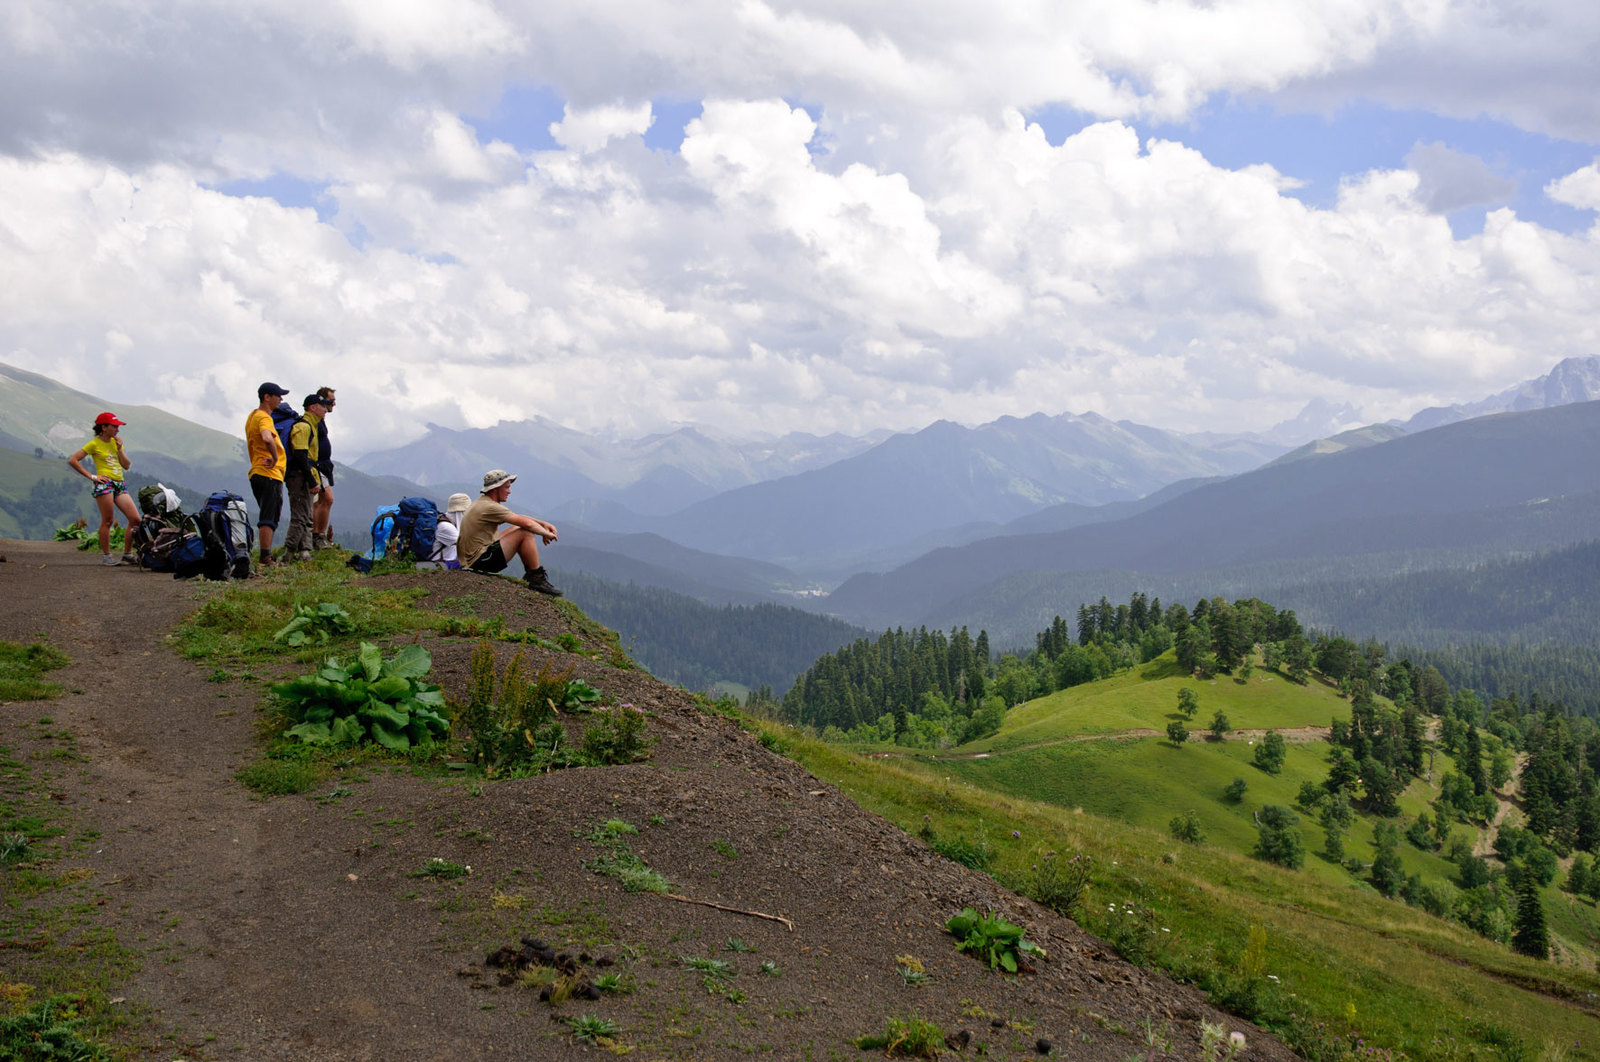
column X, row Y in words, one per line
column 902, row 247
column 1580, row 188
column 590, row 130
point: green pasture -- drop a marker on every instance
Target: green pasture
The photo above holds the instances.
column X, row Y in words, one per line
column 1146, row 698
column 1146, row 781
column 1341, row 962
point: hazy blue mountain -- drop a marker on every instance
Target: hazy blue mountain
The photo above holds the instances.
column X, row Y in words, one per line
column 650, row 560
column 37, row 413
column 627, row 480
column 945, row 476
column 1572, row 380
column 1506, row 482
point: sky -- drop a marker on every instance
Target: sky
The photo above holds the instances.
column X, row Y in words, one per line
column 821, row 216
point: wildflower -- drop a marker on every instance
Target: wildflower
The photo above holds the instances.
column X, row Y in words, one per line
column 1016, row 834
column 1236, row 1040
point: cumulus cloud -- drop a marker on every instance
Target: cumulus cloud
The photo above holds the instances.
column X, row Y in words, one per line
column 1579, row 189
column 905, row 246
column 1450, row 180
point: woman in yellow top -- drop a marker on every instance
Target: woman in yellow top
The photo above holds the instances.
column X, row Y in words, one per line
column 108, row 492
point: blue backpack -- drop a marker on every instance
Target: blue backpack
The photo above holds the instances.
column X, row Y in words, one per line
column 415, row 524
column 284, row 418
column 382, row 528
column 224, row 525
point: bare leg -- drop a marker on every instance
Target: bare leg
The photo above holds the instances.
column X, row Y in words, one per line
column 518, row 542
column 131, row 511
column 322, row 512
column 107, row 518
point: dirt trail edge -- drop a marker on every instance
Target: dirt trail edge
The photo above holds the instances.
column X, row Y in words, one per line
column 302, row 927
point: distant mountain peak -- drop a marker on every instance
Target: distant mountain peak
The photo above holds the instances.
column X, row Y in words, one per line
column 1319, row 419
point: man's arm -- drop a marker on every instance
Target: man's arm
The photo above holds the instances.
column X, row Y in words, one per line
column 538, row 527
column 274, row 444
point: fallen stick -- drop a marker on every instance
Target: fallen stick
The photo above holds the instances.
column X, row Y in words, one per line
column 733, row 910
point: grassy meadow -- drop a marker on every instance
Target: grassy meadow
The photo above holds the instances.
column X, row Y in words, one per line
column 1344, row 972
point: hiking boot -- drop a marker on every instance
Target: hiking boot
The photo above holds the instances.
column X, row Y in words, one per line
column 536, row 580
column 303, row 555
column 321, row 542
column 131, row 559
column 109, row 561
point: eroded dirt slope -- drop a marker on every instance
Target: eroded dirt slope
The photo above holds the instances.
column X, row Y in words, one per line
column 297, row 927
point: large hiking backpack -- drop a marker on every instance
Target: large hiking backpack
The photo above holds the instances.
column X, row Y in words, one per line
column 415, row 524
column 188, row 556
column 224, row 526
column 157, row 501
column 158, row 537
column 383, row 522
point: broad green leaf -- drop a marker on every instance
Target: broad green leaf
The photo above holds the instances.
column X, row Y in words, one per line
column 388, row 738
column 389, row 688
column 432, row 697
column 411, row 662
column 371, row 661
column 332, row 673
column 1009, row 961
column 348, row 729
column 318, row 713
column 386, row 713
column 310, row 733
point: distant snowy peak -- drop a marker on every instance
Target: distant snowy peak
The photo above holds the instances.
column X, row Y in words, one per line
column 1572, row 380
column 1318, row 420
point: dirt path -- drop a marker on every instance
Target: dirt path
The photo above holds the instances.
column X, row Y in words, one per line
column 1294, row 735
column 298, row 927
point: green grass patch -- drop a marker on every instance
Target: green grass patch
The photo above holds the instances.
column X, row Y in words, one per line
column 22, row 668
column 1331, row 959
column 1146, row 698
column 285, row 776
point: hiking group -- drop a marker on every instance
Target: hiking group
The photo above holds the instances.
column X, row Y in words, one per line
column 290, row 456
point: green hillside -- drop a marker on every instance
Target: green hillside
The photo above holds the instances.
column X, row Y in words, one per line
column 1145, row 698
column 36, row 411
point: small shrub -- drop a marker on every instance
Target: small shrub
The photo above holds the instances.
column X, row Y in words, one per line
column 441, row 868
column 908, row 1037
column 1186, row 827
column 992, row 939
column 617, row 737
column 593, row 1030
column 48, row 1030
column 1235, row 791
column 315, row 623
column 15, row 847
column 1060, row 884
column 911, row 970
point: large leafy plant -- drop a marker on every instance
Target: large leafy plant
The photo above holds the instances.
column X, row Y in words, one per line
column 317, row 623
column 371, row 699
column 992, row 939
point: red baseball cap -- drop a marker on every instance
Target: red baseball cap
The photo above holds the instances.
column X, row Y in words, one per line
column 108, row 418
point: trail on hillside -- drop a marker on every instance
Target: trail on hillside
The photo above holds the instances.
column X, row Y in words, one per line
column 309, row 927
column 1296, row 735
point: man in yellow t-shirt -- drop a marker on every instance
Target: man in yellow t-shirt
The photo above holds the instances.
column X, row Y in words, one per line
column 267, row 464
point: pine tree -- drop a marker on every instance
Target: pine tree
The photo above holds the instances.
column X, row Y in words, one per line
column 1532, row 934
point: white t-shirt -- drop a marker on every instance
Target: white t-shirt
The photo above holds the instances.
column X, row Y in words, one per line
column 444, row 539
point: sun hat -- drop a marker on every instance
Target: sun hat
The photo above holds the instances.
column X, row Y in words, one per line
column 108, row 418
column 457, row 504
column 496, row 478
column 270, row 389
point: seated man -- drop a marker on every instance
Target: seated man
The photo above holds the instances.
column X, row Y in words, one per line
column 480, row 548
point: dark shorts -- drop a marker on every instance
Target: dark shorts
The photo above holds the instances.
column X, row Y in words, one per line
column 490, row 560
column 269, row 499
